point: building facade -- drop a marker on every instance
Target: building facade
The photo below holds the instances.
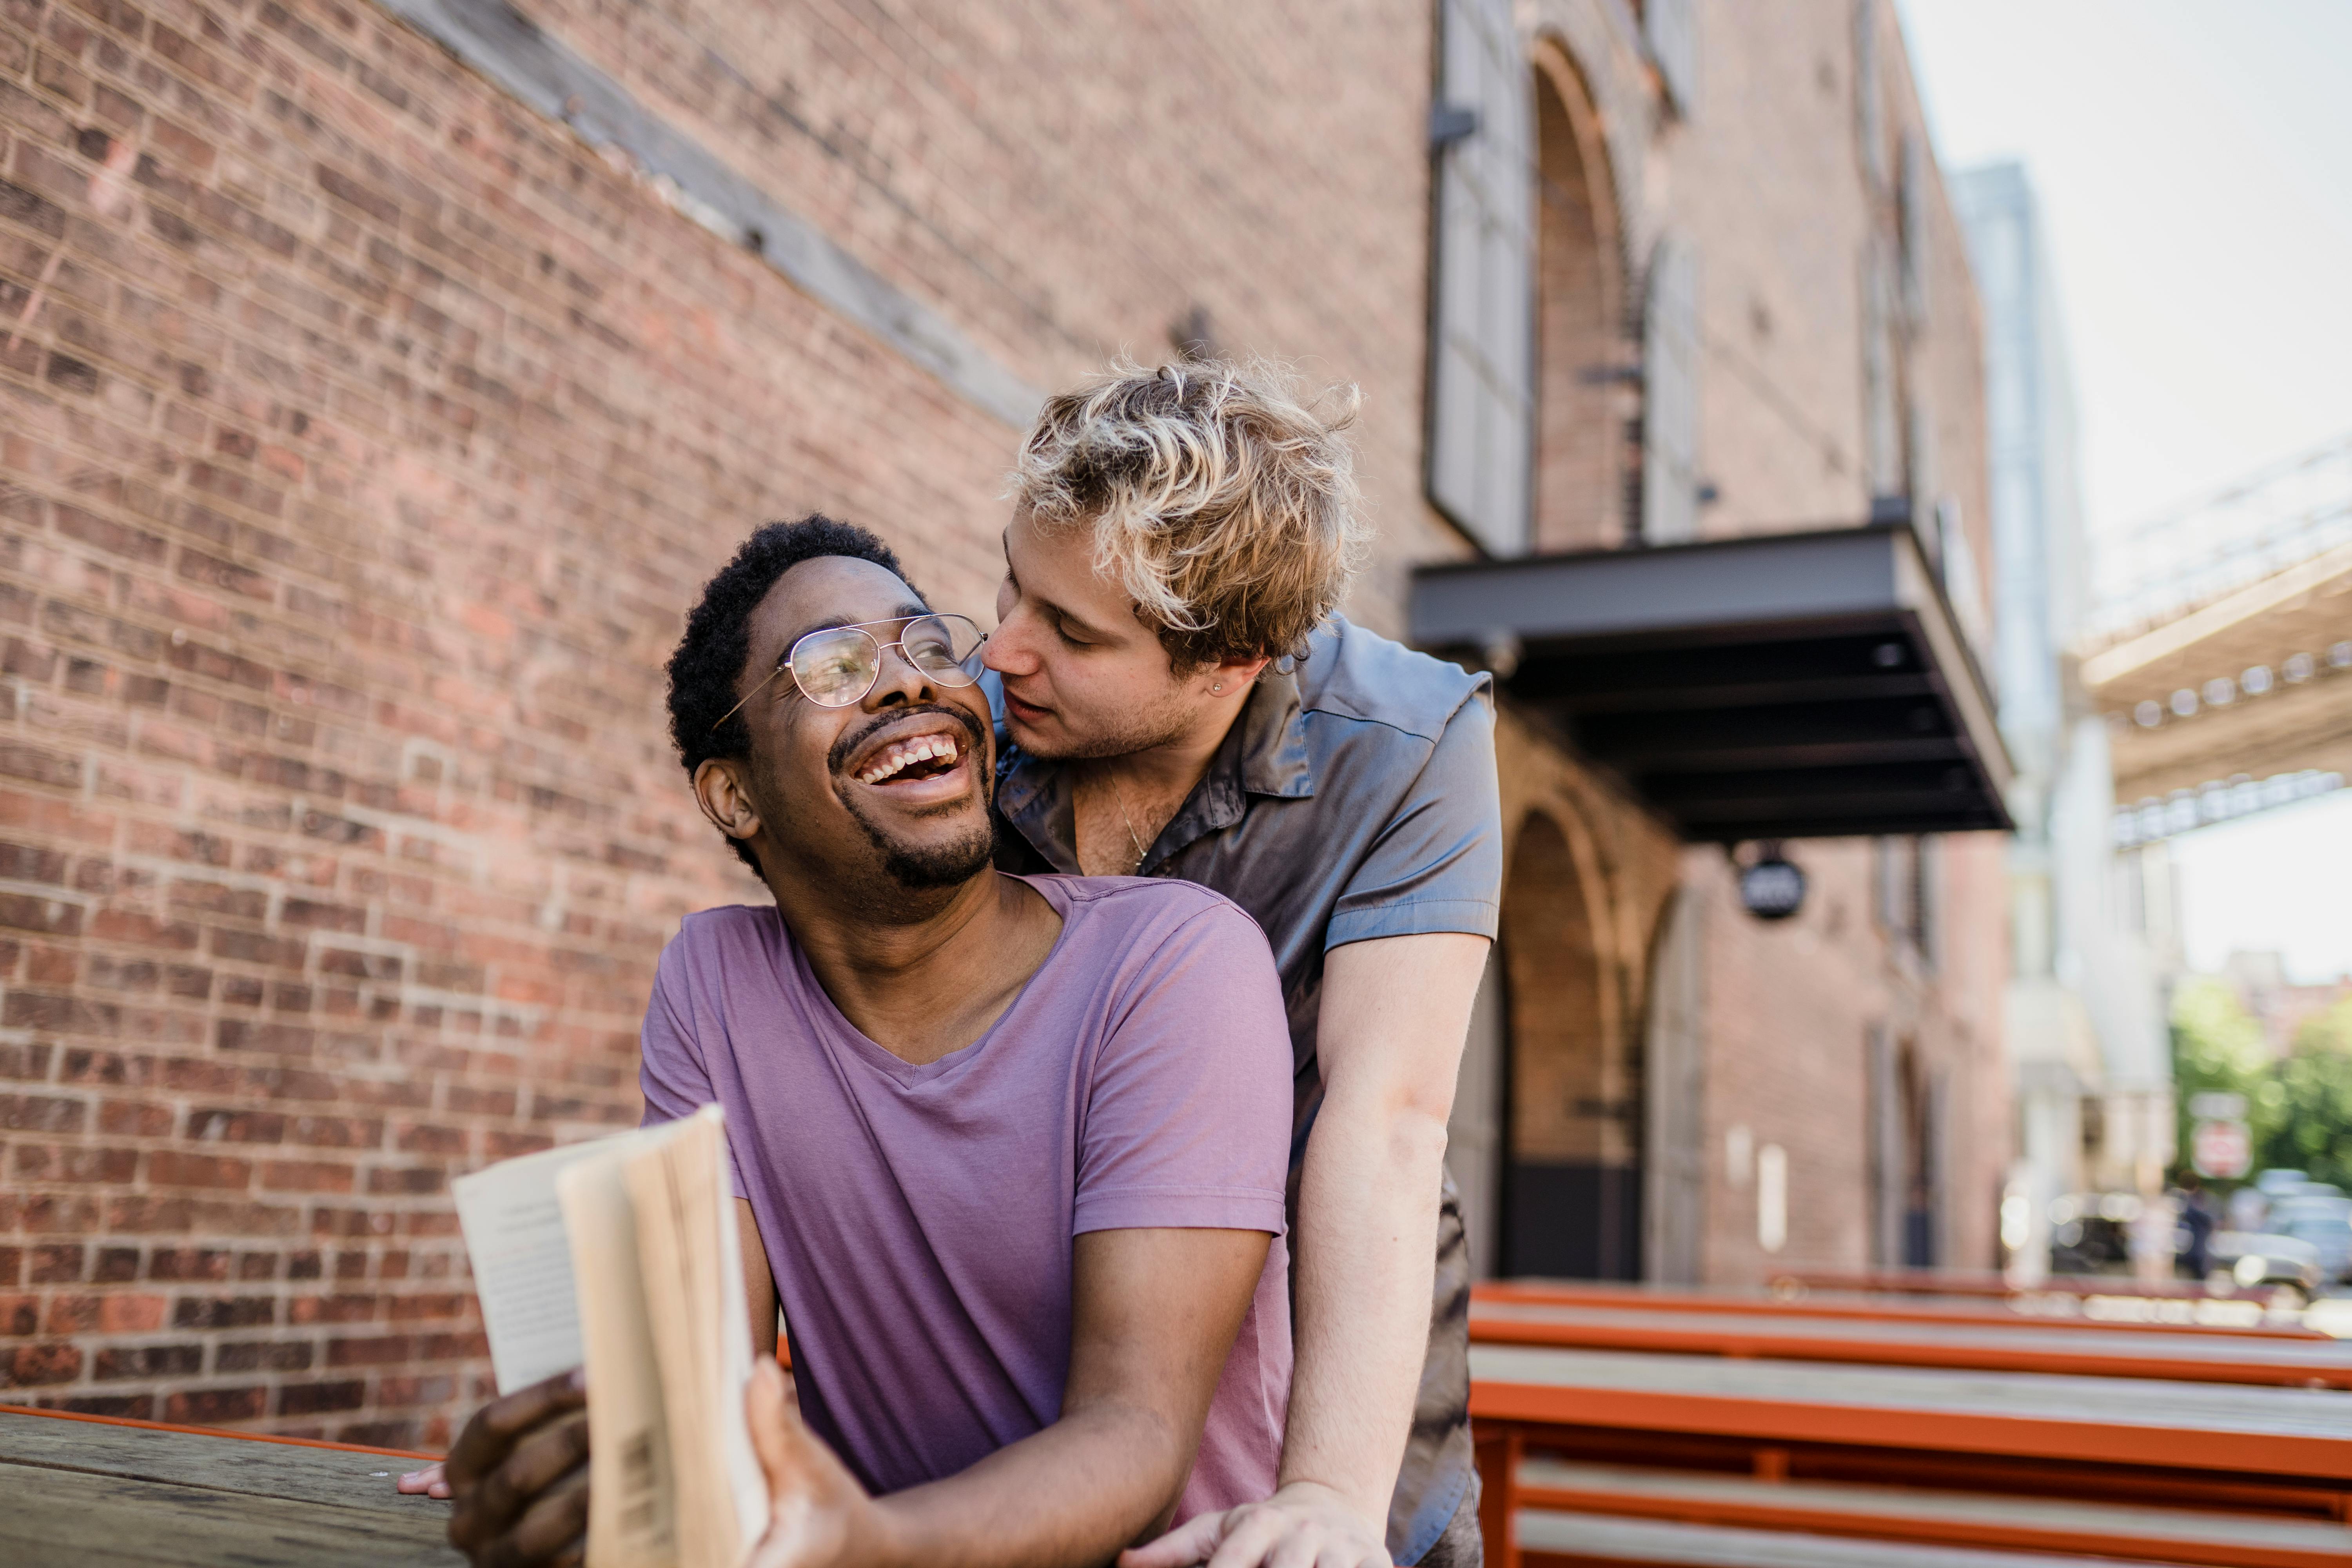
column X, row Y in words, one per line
column 378, row 383
column 2087, row 1032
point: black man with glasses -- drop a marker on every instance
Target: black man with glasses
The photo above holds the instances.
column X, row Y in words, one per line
column 1008, row 1151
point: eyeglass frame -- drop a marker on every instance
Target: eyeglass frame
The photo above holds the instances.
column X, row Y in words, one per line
column 784, row 665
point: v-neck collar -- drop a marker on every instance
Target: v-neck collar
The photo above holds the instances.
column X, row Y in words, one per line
column 911, row 1076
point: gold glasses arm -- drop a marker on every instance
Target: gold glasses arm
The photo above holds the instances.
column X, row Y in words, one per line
column 753, row 692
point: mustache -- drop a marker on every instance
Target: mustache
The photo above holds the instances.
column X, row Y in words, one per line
column 837, row 758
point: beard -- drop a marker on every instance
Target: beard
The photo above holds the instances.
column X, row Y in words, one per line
column 923, row 867
column 1162, row 723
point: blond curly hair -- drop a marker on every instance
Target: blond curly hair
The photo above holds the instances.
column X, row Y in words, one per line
column 1220, row 500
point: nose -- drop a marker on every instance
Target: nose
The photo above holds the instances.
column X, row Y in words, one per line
column 1006, row 651
column 900, row 682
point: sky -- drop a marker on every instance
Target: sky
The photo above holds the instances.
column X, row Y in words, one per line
column 2193, row 162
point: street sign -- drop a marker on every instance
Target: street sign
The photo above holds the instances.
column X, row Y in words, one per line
column 2215, row 1106
column 2220, row 1151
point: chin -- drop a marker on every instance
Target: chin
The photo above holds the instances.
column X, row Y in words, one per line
column 925, row 867
column 948, row 853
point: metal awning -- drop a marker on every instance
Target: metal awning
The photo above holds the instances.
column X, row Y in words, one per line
column 1788, row 686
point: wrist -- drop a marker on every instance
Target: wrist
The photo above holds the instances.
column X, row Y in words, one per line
column 1307, row 1492
column 883, row 1535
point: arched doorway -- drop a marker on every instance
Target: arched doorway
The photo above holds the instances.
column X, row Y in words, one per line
column 1571, row 1188
column 1586, row 401
column 1476, row 1147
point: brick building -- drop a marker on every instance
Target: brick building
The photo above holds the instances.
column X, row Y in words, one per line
column 379, row 378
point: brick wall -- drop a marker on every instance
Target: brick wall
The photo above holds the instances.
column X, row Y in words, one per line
column 363, row 437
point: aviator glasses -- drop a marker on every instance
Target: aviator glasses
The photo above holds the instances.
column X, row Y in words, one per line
column 835, row 666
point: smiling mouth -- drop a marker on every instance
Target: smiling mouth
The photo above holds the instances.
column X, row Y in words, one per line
column 911, row 761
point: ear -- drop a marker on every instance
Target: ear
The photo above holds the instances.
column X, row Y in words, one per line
column 718, row 790
column 1234, row 674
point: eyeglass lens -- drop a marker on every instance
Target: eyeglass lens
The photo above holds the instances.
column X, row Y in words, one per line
column 837, row 667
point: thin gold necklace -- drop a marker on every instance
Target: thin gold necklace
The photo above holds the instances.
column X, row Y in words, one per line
column 1118, row 797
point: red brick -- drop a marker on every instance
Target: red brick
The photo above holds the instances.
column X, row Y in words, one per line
column 214, row 1407
column 170, row 1168
column 31, row 1366
column 184, row 1360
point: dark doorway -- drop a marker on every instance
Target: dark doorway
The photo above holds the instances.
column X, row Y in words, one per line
column 1572, row 1187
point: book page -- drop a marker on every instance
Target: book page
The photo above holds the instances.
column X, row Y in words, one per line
column 694, row 1296
column 746, row 1478
column 632, row 1514
column 522, row 1264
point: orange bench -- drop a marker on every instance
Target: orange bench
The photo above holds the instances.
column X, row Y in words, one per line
column 1928, row 1456
column 2242, row 1315
column 2014, row 1345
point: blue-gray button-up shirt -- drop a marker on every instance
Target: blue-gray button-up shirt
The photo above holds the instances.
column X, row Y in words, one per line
column 1354, row 798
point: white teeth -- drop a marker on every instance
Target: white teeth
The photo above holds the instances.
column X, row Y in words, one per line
column 905, row 754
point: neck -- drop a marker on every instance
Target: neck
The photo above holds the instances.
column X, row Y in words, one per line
column 921, row 973
column 1166, row 773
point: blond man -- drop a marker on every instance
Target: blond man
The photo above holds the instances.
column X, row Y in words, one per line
column 1179, row 697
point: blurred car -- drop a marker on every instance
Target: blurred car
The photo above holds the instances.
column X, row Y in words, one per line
column 2090, row 1233
column 2319, row 1214
column 2249, row 1259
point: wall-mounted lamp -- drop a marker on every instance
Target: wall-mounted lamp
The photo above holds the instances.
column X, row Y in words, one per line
column 1770, row 886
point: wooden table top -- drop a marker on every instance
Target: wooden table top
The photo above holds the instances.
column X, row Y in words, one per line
column 87, row 1494
column 2207, row 1427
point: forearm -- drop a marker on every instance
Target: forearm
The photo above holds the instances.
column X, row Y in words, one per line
column 1068, row 1497
column 1367, row 1249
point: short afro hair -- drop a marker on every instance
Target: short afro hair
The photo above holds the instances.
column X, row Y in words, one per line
column 710, row 656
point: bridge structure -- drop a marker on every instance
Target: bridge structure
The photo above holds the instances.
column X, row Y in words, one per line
column 2221, row 649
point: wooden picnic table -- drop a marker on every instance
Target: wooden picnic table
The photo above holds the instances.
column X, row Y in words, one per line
column 2144, row 1422
column 2027, row 1310
column 2014, row 1345
column 82, row 1492
column 2281, row 1452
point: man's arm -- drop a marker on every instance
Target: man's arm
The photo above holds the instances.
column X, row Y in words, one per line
column 1155, row 1314
column 1395, row 1013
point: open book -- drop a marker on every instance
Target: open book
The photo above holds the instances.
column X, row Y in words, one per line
column 622, row 1254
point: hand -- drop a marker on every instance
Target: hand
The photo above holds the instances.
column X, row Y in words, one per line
column 1304, row 1522
column 817, row 1514
column 520, row 1475
column 431, row 1481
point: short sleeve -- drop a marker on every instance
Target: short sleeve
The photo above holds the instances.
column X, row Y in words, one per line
column 670, row 1071
column 1437, row 865
column 1187, row 1102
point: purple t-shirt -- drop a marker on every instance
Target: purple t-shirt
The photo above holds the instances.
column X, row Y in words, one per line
column 919, row 1219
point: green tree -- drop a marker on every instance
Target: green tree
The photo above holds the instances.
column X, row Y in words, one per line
column 2309, row 1095
column 2217, row 1047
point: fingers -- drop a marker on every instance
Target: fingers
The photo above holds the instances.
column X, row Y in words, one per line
column 483, row 1444
column 422, row 1481
column 552, row 1530
column 1247, row 1544
column 1189, row 1544
column 536, row 1464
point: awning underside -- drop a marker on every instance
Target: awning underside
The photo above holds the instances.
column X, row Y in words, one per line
column 1797, row 687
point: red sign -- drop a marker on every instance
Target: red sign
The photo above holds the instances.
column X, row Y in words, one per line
column 2220, row 1151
